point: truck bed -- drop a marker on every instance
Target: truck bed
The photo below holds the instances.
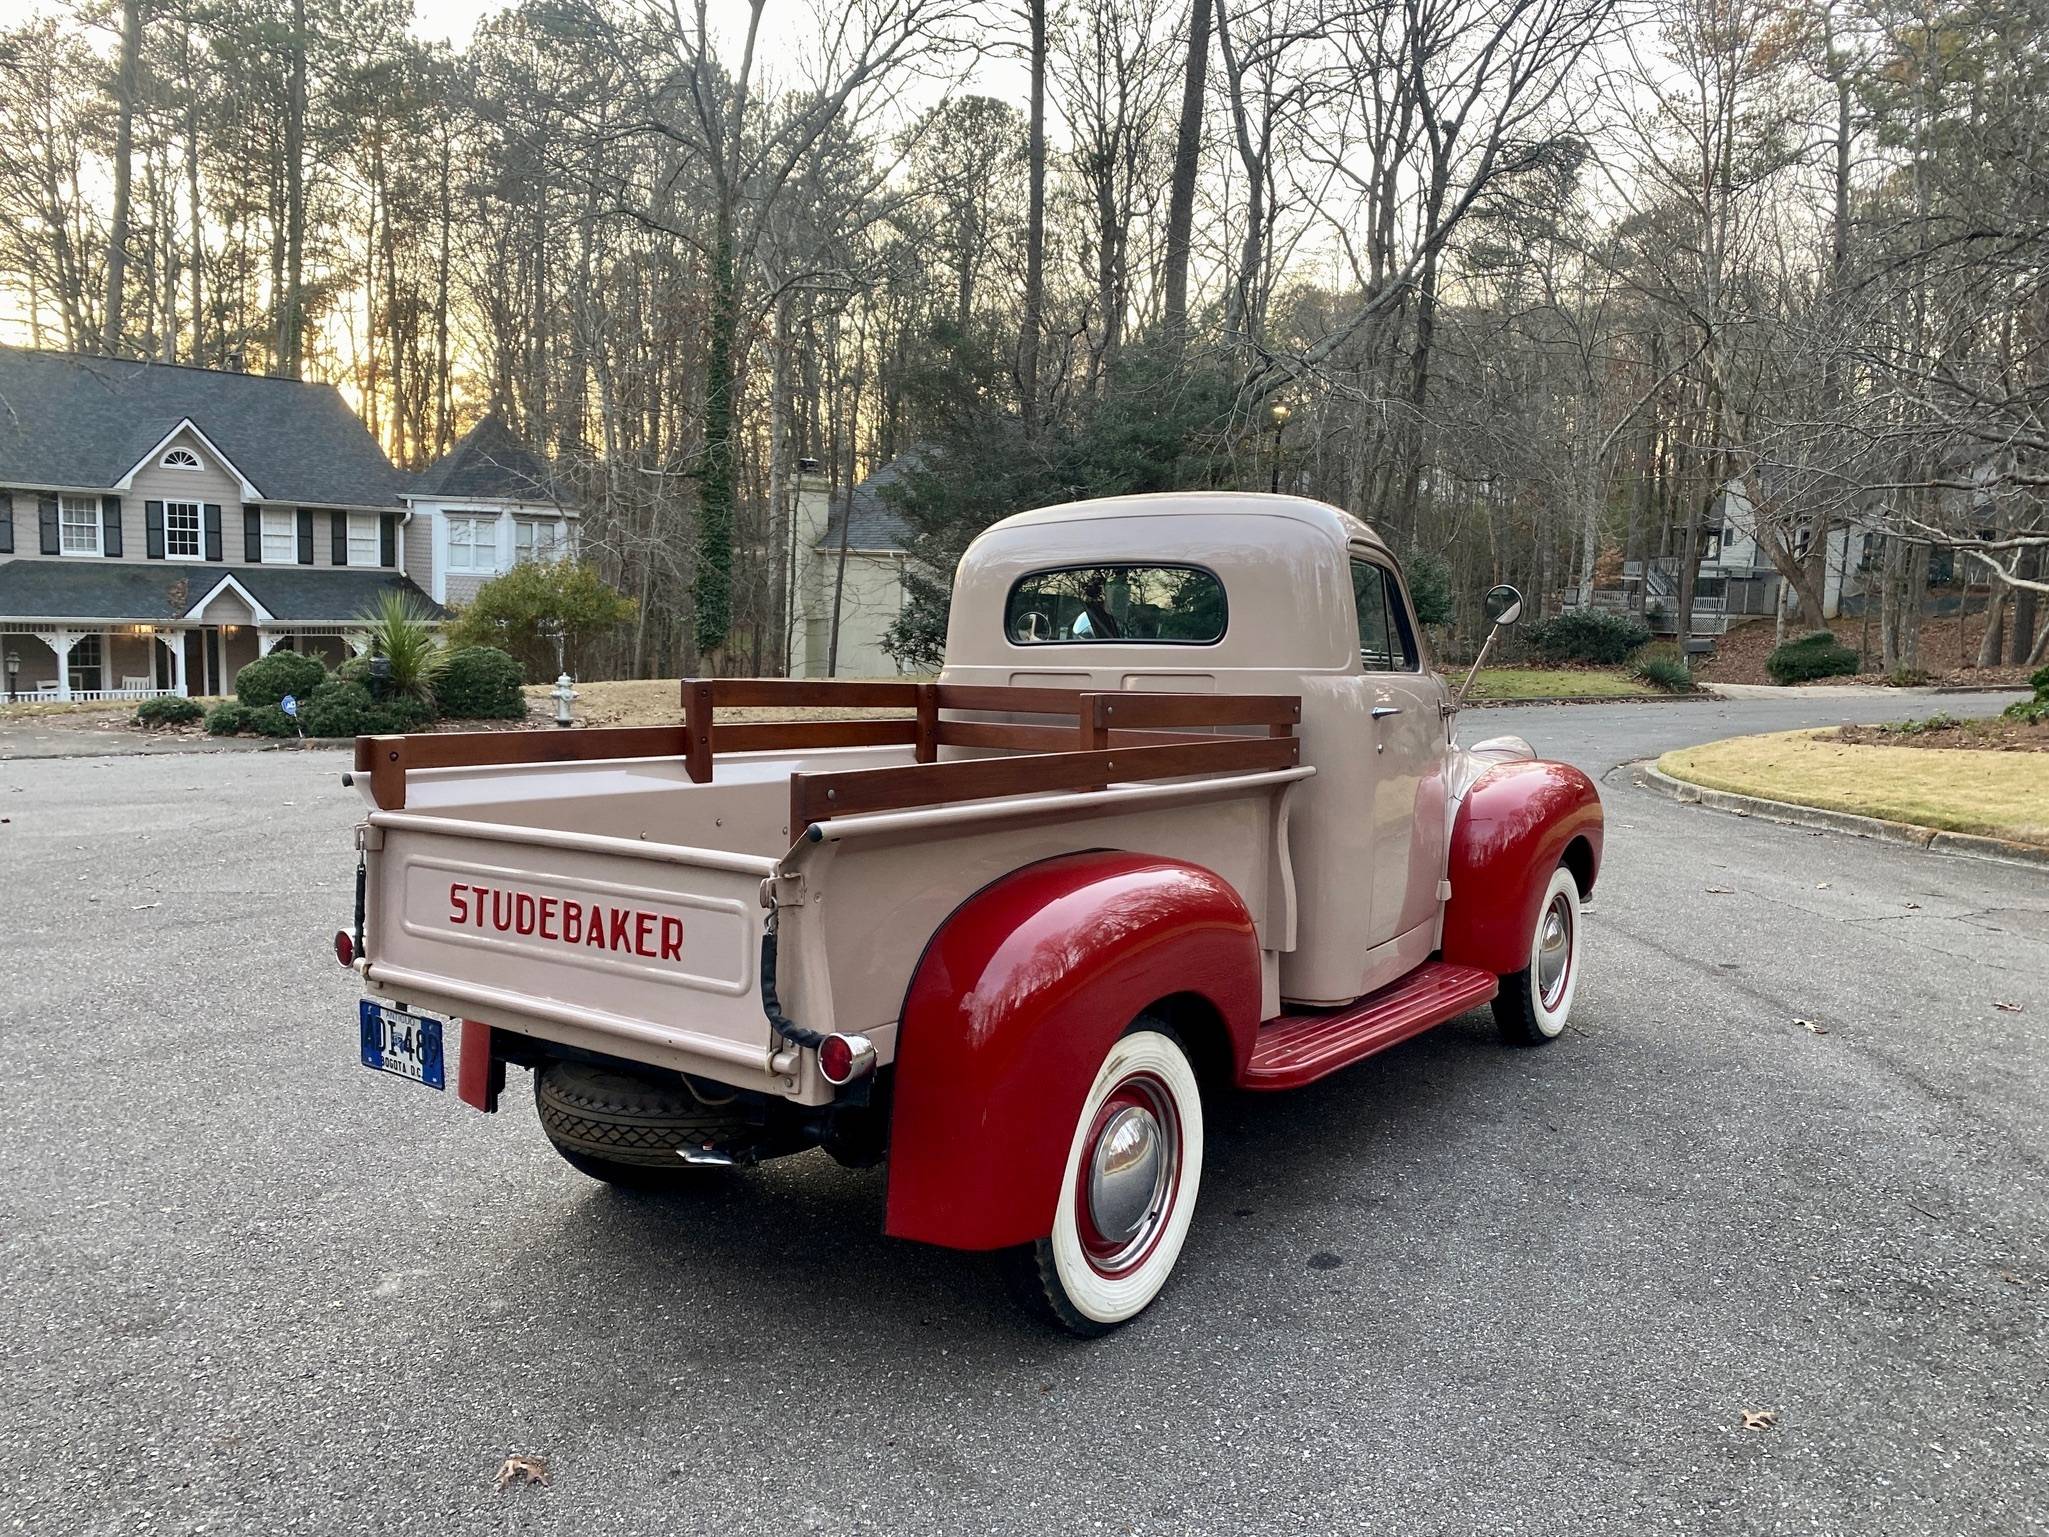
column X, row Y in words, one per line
column 590, row 888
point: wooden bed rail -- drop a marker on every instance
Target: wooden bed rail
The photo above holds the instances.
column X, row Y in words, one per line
column 1121, row 734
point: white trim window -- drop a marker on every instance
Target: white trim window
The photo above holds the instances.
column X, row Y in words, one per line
column 536, row 539
column 364, row 539
column 280, row 537
column 181, row 459
column 78, row 525
column 183, row 538
column 472, row 543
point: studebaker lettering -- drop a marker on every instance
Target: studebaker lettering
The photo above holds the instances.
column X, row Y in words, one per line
column 623, row 930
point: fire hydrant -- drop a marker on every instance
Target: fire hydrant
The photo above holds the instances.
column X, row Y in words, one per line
column 564, row 696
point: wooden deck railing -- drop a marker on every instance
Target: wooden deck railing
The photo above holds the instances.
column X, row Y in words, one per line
column 1105, row 736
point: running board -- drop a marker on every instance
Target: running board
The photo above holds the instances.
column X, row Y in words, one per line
column 1293, row 1049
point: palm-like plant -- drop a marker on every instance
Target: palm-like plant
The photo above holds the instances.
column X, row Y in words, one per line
column 399, row 633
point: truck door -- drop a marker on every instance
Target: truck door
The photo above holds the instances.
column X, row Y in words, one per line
column 1406, row 736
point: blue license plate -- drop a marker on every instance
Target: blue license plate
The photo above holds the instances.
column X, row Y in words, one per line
column 402, row 1043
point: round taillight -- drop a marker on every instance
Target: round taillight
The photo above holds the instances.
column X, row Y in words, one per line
column 344, row 947
column 843, row 1058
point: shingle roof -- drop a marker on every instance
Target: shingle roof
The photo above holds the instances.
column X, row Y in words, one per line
column 132, row 593
column 489, row 463
column 877, row 525
column 71, row 420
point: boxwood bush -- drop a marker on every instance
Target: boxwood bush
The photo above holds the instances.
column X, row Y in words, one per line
column 1587, row 635
column 228, row 718
column 1819, row 655
column 340, row 707
column 480, row 683
column 170, row 710
column 268, row 679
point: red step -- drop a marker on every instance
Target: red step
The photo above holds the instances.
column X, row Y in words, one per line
column 1293, row 1049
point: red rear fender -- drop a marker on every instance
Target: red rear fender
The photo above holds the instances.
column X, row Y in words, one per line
column 1515, row 826
column 1012, row 1010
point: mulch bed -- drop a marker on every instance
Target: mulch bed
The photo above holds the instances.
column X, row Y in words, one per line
column 1995, row 735
column 1739, row 655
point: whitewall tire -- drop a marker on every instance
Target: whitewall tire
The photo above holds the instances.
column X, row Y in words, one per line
column 1534, row 1003
column 1128, row 1191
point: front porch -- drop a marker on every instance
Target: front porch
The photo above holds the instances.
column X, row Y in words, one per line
column 92, row 664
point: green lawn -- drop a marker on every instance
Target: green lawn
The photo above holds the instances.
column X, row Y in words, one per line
column 1556, row 683
column 2002, row 794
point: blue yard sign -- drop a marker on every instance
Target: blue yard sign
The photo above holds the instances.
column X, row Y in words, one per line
column 290, row 706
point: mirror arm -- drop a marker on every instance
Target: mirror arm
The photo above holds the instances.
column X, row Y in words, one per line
column 1459, row 698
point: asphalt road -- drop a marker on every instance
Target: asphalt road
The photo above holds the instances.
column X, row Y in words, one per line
column 246, row 1286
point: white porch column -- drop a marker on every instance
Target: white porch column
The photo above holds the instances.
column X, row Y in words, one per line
column 61, row 642
column 266, row 640
column 174, row 642
column 358, row 642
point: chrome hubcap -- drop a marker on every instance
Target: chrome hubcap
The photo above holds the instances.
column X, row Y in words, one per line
column 1554, row 950
column 1127, row 1175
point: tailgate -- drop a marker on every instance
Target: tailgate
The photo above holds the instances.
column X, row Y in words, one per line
column 643, row 950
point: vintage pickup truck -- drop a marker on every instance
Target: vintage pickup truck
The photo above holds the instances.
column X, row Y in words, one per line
column 1183, row 814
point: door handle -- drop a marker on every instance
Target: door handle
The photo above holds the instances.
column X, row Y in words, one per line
column 1382, row 711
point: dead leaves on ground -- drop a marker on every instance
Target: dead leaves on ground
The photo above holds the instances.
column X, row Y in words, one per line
column 1760, row 1419
column 2006, row 1007
column 522, row 1470
column 1811, row 1027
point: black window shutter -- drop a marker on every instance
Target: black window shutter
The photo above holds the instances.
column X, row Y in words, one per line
column 305, row 537
column 213, row 531
column 110, row 525
column 252, row 535
column 153, row 529
column 387, row 540
column 47, row 511
column 6, row 524
column 338, row 547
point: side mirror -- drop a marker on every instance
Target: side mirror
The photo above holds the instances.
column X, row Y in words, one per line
column 1504, row 606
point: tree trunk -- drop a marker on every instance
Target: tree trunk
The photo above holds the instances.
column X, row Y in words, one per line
column 291, row 347
column 1187, row 161
column 124, row 154
column 713, row 587
column 2025, row 600
column 1035, row 230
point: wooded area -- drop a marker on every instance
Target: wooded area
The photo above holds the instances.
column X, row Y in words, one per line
column 1530, row 280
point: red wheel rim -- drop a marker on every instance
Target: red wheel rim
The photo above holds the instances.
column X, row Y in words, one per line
column 1114, row 1255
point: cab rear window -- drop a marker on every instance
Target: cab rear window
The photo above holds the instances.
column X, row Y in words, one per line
column 1158, row 605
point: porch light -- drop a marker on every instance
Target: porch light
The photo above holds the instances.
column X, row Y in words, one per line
column 13, row 671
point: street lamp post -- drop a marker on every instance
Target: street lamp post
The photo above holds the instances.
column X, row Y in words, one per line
column 13, row 672
column 1280, row 414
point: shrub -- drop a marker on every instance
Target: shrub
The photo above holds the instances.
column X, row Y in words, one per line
column 170, row 710
column 397, row 715
column 1819, row 655
column 228, row 718
column 271, row 721
column 1665, row 670
column 1906, row 677
column 355, row 669
column 2040, row 683
column 1587, row 635
column 2030, row 709
column 522, row 611
column 480, row 683
column 268, row 679
column 336, row 708
column 401, row 637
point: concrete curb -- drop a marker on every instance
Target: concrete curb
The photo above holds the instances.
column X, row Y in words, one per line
column 1648, row 776
column 1700, row 696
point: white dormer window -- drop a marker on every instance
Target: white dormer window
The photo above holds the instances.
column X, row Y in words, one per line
column 180, row 459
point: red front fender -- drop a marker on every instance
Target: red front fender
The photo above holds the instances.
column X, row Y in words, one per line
column 1515, row 825
column 1012, row 1010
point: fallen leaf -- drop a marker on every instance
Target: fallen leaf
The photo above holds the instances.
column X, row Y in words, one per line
column 530, row 1470
column 1811, row 1027
column 1721, row 891
column 1821, row 885
column 144, row 906
column 2005, row 1007
column 2011, row 1279
column 1760, row 1419
column 1913, row 907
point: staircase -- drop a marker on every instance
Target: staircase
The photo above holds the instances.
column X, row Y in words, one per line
column 1659, row 581
column 1294, row 1049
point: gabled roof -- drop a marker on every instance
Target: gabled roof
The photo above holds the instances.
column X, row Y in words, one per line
column 876, row 524
column 489, row 464
column 71, row 420
column 163, row 593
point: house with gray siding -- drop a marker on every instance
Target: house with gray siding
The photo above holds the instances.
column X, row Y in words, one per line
column 489, row 503
column 162, row 526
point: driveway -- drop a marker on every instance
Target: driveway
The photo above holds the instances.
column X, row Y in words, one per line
column 1458, row 1289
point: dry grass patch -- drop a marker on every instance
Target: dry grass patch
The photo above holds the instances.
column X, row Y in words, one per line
column 1999, row 794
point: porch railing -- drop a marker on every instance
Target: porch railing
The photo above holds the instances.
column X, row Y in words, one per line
column 83, row 695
